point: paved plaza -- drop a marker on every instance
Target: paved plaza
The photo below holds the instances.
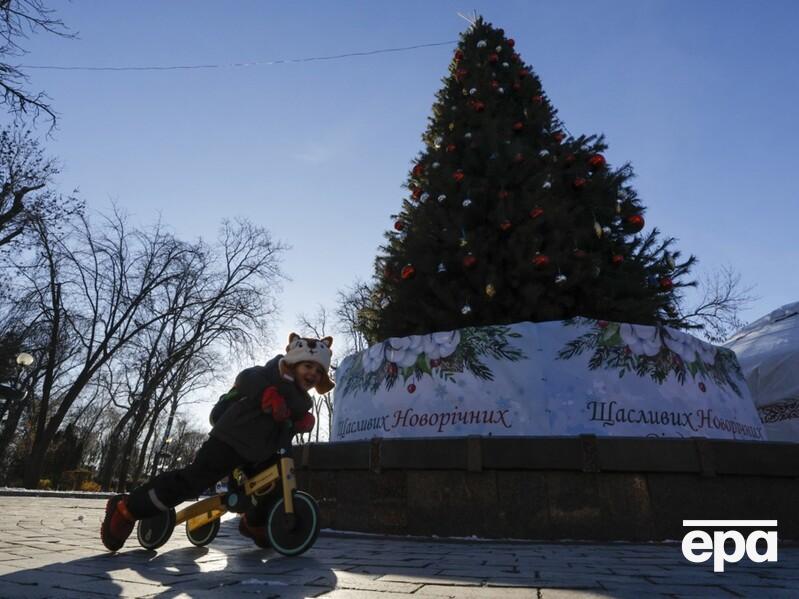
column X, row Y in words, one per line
column 49, row 547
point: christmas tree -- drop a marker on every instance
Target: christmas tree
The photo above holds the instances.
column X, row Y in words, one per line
column 508, row 218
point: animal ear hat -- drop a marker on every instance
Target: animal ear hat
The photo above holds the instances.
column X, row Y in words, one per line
column 317, row 351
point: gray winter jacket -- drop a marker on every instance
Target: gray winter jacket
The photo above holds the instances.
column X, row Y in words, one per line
column 244, row 426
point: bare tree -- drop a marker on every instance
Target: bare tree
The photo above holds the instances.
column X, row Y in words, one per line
column 25, row 173
column 352, row 310
column 717, row 312
column 98, row 297
column 223, row 295
column 18, row 18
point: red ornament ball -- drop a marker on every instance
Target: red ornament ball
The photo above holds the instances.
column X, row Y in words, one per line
column 523, row 73
column 407, row 272
column 458, row 55
column 416, row 193
column 494, row 84
column 505, row 225
column 558, row 136
column 602, row 324
column 702, row 387
column 461, row 73
column 399, row 225
column 666, row 283
column 493, row 57
column 636, row 222
column 411, row 388
column 518, row 126
column 538, row 99
column 617, row 259
column 458, row 176
column 418, row 170
column 478, row 106
column 435, row 363
column 596, row 161
column 469, row 261
column 511, row 42
column 541, row 260
column 536, row 212
column 451, row 147
column 579, row 183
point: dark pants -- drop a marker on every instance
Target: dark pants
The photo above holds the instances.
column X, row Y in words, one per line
column 213, row 462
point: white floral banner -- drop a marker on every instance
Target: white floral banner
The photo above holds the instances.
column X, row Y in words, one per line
column 544, row 379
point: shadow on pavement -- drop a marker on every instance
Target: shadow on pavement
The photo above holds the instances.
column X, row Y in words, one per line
column 225, row 568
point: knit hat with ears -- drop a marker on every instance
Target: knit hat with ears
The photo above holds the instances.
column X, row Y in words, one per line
column 317, row 351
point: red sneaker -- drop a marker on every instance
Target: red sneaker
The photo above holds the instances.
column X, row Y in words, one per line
column 118, row 523
column 256, row 533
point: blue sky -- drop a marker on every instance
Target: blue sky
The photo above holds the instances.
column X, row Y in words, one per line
column 699, row 96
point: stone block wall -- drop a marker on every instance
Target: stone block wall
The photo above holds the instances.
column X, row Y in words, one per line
column 581, row 488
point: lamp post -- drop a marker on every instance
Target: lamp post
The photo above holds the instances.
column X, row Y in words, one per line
column 12, row 392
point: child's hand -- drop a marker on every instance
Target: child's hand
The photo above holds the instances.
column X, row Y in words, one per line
column 273, row 403
column 305, row 424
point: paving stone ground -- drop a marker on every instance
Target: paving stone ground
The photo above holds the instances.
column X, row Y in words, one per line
column 50, row 547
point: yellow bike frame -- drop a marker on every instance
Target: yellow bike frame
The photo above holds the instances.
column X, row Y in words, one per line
column 212, row 508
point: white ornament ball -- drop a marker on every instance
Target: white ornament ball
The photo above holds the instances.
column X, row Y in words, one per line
column 501, row 90
column 505, row 65
column 482, row 44
column 442, row 197
column 436, row 164
column 424, row 197
column 606, row 230
column 473, row 91
column 546, row 185
column 543, row 153
column 498, row 49
column 467, row 135
column 466, row 309
column 441, row 267
column 560, row 279
column 467, row 202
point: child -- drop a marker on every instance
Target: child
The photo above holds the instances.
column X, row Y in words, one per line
column 246, row 433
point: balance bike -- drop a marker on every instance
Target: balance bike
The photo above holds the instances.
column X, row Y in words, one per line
column 292, row 525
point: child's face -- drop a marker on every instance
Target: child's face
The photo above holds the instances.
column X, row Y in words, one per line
column 307, row 375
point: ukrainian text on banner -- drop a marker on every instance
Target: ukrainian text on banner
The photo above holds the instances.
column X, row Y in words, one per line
column 544, row 379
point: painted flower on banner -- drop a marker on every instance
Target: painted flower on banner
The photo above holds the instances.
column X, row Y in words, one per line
column 404, row 351
column 373, row 357
column 642, row 340
column 687, row 347
column 441, row 345
column 440, row 356
column 653, row 351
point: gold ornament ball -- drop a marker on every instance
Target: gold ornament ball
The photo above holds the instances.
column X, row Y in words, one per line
column 490, row 290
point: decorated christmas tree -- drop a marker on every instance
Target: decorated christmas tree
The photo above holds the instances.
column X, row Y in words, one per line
column 509, row 218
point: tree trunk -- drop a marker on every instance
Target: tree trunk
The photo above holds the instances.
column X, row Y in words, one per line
column 127, row 452
column 145, row 444
column 109, row 461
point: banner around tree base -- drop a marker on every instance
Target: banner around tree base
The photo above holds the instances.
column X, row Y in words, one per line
column 572, row 377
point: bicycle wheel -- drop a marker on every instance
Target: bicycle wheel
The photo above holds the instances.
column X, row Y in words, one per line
column 154, row 532
column 293, row 537
column 204, row 534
